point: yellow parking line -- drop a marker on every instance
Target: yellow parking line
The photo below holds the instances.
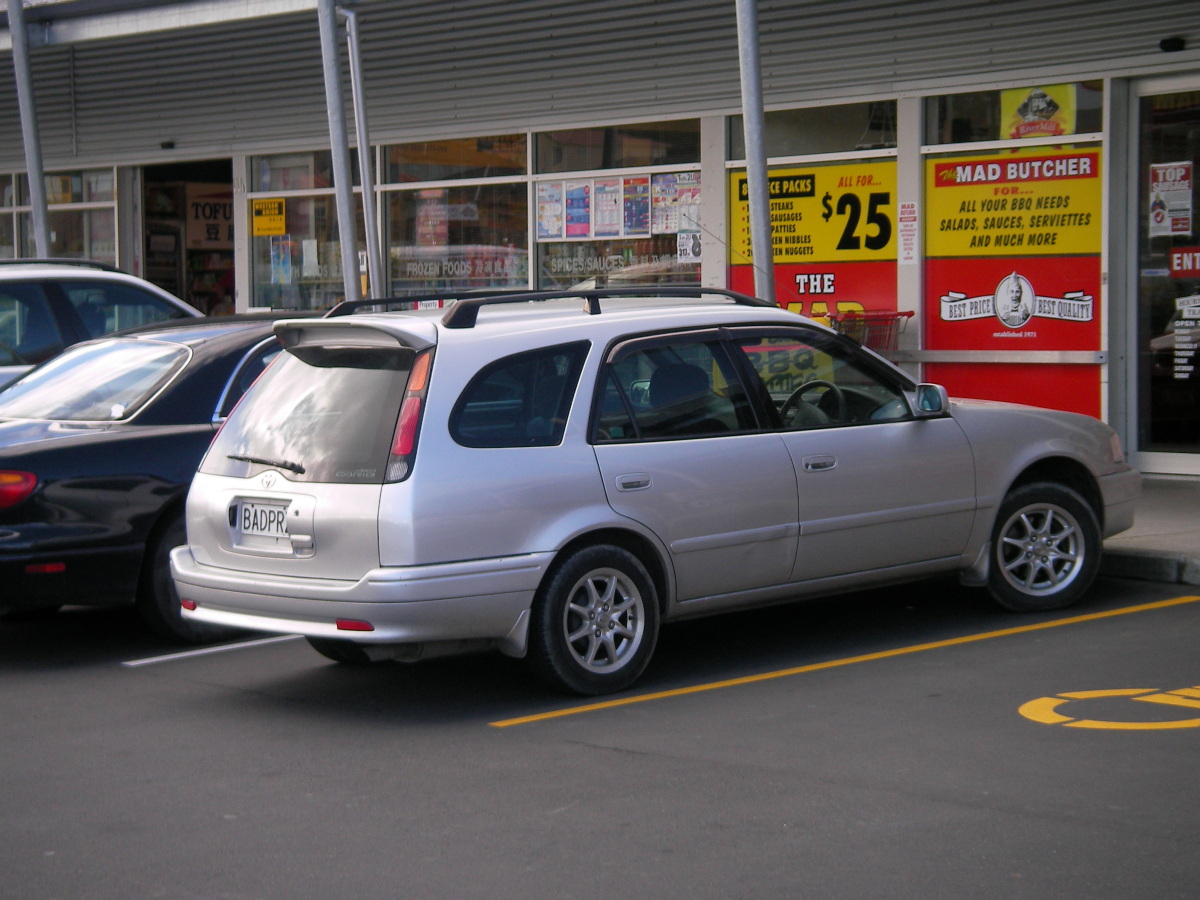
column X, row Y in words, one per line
column 835, row 663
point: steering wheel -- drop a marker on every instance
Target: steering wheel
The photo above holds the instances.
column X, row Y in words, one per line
column 797, row 397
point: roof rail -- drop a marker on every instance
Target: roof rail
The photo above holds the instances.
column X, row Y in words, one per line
column 63, row 261
column 346, row 307
column 465, row 312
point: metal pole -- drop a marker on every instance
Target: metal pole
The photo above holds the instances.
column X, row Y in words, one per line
column 366, row 160
column 29, row 128
column 759, row 199
column 343, row 181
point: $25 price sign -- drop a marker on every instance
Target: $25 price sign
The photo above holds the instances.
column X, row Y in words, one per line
column 836, row 213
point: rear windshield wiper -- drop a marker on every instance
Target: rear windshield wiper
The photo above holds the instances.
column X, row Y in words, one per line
column 277, row 463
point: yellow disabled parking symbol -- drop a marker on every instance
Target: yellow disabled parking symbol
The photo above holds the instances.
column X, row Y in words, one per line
column 1047, row 709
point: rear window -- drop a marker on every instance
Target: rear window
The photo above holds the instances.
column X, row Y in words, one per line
column 323, row 414
column 105, row 382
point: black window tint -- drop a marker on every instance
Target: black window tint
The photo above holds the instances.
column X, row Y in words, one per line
column 28, row 334
column 815, row 380
column 104, row 307
column 686, row 389
column 614, row 422
column 519, row 401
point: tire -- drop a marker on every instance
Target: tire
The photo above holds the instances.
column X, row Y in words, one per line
column 595, row 622
column 158, row 602
column 347, row 653
column 1046, row 548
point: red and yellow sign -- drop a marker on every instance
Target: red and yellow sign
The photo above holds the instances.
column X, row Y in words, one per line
column 833, row 230
column 1043, row 202
column 1012, row 244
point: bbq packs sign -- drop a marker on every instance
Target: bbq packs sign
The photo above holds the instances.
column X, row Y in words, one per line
column 1015, row 302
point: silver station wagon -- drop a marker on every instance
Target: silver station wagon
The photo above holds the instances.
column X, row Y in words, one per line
column 553, row 476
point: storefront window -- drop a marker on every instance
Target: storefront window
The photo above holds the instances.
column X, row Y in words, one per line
column 75, row 234
column 297, row 171
column 821, row 129
column 296, row 252
column 81, row 216
column 486, row 157
column 1169, row 274
column 8, row 248
column 1024, row 112
column 649, row 260
column 87, row 186
column 473, row 236
column 619, row 147
column 297, row 257
column 631, row 229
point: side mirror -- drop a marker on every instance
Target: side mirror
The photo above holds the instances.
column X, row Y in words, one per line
column 932, row 401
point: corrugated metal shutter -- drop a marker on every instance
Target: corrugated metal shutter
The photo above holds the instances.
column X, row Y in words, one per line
column 482, row 66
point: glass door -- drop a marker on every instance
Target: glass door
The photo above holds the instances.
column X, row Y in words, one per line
column 1167, row 388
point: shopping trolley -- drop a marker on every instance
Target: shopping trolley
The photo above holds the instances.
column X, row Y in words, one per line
column 874, row 328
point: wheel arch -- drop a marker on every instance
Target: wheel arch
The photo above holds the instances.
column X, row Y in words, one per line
column 162, row 521
column 639, row 545
column 1069, row 473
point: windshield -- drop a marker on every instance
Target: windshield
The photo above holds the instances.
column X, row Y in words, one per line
column 103, row 382
column 323, row 414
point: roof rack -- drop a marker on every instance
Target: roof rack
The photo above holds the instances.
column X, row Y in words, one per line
column 346, row 307
column 465, row 312
column 63, row 261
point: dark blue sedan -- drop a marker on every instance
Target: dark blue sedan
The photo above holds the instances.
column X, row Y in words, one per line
column 97, row 449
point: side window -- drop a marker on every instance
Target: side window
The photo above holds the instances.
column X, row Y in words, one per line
column 104, row 307
column 521, row 400
column 28, row 334
column 672, row 390
column 247, row 373
column 813, row 381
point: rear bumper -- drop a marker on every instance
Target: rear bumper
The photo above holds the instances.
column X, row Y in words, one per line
column 77, row 577
column 479, row 599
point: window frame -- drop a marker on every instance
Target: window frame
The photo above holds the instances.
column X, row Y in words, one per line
column 753, row 387
column 576, row 352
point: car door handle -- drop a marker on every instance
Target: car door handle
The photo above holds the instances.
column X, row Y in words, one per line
column 819, row 463
column 635, row 481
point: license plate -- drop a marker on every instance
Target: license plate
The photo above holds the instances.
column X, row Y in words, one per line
column 262, row 519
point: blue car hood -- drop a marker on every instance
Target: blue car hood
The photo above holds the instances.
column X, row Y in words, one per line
column 14, row 432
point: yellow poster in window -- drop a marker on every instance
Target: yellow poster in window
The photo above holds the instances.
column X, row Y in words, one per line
column 1040, row 202
column 821, row 214
column 1038, row 111
column 267, row 217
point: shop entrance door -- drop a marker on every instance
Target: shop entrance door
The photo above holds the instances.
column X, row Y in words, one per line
column 188, row 227
column 1167, row 167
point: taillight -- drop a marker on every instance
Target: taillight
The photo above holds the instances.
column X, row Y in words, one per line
column 408, row 426
column 15, row 487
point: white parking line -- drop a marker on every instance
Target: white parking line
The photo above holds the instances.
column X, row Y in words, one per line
column 205, row 651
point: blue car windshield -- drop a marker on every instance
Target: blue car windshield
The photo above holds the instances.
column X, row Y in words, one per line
column 103, row 382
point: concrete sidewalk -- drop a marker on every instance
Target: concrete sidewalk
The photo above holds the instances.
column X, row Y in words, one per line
column 1164, row 542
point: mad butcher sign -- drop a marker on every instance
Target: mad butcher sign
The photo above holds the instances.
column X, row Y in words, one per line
column 1012, row 263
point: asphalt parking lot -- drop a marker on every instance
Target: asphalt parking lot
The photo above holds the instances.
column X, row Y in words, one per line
column 906, row 743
